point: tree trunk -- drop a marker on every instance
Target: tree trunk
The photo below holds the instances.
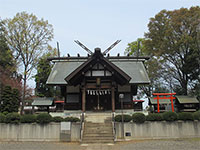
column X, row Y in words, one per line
column 24, row 94
column 184, row 86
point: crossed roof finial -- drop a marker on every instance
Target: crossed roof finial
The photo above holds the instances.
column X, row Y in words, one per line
column 90, row 52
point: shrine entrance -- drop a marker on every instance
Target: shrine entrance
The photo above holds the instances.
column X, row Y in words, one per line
column 98, row 100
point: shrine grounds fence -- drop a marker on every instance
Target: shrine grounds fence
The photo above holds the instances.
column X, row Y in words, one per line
column 158, row 130
column 66, row 131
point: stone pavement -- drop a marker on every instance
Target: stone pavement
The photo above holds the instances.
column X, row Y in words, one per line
column 175, row 144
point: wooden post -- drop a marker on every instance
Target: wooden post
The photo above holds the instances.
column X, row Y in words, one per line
column 83, row 99
column 172, row 103
column 113, row 98
column 158, row 106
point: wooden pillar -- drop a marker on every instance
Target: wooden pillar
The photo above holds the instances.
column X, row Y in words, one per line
column 172, row 104
column 113, row 98
column 83, row 99
column 158, row 105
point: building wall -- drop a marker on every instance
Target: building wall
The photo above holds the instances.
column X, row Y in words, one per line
column 159, row 130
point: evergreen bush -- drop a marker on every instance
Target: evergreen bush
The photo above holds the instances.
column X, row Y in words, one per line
column 185, row 116
column 43, row 118
column 15, row 100
column 196, row 115
column 5, row 113
column 10, row 100
column 154, row 117
column 71, row 119
column 2, row 118
column 57, row 119
column 170, row 116
column 12, row 118
column 28, row 118
column 138, row 118
column 127, row 118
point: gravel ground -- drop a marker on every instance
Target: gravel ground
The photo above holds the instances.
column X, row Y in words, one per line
column 176, row 144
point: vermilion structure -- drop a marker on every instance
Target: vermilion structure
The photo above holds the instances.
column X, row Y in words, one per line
column 164, row 96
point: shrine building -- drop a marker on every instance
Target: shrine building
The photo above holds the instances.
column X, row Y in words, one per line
column 94, row 82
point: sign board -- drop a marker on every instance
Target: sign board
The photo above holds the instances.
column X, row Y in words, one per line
column 65, row 126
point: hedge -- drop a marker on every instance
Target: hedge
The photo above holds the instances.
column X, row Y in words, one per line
column 154, row 117
column 138, row 118
column 57, row 119
column 28, row 118
column 127, row 118
column 185, row 116
column 71, row 119
column 12, row 118
column 2, row 118
column 170, row 116
column 196, row 115
column 43, row 118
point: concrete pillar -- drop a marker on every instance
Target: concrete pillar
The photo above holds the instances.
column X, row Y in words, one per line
column 83, row 99
column 113, row 98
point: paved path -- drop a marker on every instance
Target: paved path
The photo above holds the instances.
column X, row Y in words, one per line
column 176, row 144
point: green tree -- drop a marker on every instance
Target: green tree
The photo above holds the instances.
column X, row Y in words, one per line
column 28, row 38
column 153, row 66
column 10, row 100
column 7, row 62
column 173, row 37
column 136, row 48
column 43, row 70
column 6, row 57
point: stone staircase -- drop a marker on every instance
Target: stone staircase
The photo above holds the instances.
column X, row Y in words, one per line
column 98, row 128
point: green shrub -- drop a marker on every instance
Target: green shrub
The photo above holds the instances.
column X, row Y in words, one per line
column 138, row 118
column 57, row 119
column 10, row 100
column 71, row 119
column 127, row 118
column 43, row 118
column 28, row 118
column 2, row 118
column 170, row 116
column 196, row 115
column 5, row 113
column 12, row 118
column 154, row 117
column 185, row 116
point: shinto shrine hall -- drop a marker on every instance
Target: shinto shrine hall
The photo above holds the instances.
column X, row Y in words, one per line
column 94, row 82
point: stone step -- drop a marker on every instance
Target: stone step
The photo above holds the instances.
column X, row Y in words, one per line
column 99, row 114
column 96, row 141
column 93, row 123
column 97, row 127
column 98, row 134
column 98, row 117
column 98, row 138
